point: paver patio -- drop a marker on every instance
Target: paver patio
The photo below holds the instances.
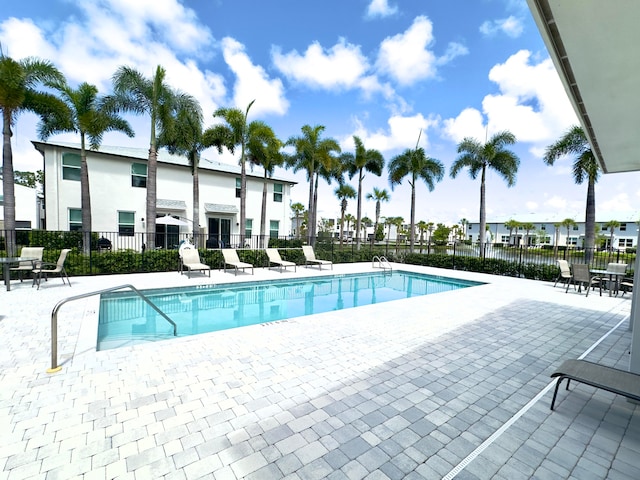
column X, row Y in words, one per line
column 448, row 385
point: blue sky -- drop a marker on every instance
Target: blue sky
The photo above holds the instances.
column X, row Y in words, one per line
column 380, row 69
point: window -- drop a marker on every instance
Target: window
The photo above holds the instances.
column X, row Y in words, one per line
column 139, row 175
column 238, row 187
column 623, row 227
column 572, row 241
column 545, row 240
column 625, row 243
column 71, row 166
column 248, row 229
column 273, row 228
column 575, row 227
column 277, row 192
column 470, row 227
column 75, row 219
column 543, row 227
column 126, row 223
column 505, row 239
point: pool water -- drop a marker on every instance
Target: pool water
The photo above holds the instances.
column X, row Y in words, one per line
column 126, row 319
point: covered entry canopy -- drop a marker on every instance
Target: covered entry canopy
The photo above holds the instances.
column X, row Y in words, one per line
column 593, row 44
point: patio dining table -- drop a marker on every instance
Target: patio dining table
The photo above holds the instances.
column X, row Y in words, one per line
column 6, row 265
column 614, row 278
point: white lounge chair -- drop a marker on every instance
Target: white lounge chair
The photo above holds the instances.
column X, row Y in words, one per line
column 310, row 257
column 35, row 253
column 191, row 260
column 231, row 259
column 274, row 257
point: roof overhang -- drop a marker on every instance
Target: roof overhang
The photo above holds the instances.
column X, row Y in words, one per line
column 593, row 45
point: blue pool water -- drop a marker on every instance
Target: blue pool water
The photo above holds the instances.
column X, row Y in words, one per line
column 126, row 319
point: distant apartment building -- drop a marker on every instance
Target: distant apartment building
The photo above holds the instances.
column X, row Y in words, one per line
column 545, row 232
column 29, row 210
column 118, row 180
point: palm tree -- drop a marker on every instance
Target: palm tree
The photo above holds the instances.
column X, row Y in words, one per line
column 311, row 151
column 397, row 222
column 511, row 225
column 349, row 219
column 19, row 93
column 568, row 223
column 298, row 211
column 556, row 239
column 611, row 226
column 417, row 165
column 465, row 223
column 430, row 228
column 88, row 117
column 379, row 195
column 343, row 192
column 236, row 132
column 477, row 157
column 185, row 136
column 265, row 152
column 135, row 93
column 527, row 226
column 422, row 228
column 585, row 167
column 365, row 222
column 363, row 160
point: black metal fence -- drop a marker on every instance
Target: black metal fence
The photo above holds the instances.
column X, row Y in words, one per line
column 112, row 252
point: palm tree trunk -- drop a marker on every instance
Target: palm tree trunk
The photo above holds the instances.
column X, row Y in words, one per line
column 152, row 194
column 483, row 214
column 9, row 207
column 358, row 220
column 85, row 198
column 314, row 226
column 263, row 214
column 413, row 213
column 196, row 204
column 243, row 194
column 310, row 210
column 590, row 222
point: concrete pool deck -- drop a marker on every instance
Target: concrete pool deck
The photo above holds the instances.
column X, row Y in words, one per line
column 449, row 385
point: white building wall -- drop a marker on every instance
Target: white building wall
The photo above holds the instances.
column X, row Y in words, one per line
column 26, row 205
column 111, row 192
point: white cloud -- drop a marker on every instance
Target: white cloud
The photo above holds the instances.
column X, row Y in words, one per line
column 531, row 103
column 406, row 58
column 341, row 66
column 510, row 26
column 557, row 203
column 380, row 8
column 252, row 82
column 531, row 206
column 402, row 133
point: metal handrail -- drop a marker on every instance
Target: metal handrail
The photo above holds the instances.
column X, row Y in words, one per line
column 54, row 319
column 382, row 262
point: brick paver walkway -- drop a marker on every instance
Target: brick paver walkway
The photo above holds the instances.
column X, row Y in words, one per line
column 402, row 390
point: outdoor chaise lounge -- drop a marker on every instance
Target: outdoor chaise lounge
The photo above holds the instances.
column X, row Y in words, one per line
column 191, row 261
column 611, row 379
column 42, row 269
column 231, row 259
column 310, row 257
column 34, row 253
column 275, row 258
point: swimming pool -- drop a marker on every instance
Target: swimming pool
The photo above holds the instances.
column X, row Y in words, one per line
column 126, row 319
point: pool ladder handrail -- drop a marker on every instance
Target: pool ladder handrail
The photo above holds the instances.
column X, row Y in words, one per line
column 54, row 319
column 382, row 262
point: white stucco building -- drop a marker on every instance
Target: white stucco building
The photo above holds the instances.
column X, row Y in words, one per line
column 117, row 183
column 28, row 208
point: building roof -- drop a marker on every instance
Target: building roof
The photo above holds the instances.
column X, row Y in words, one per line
column 593, row 46
column 167, row 158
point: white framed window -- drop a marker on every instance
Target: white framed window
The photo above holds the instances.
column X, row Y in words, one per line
column 575, row 227
column 139, row 175
column 572, row 241
column 277, row 192
column 126, row 223
column 238, row 187
column 71, row 166
column 274, row 226
column 623, row 227
column 248, row 229
column 625, row 243
column 75, row 219
column 505, row 239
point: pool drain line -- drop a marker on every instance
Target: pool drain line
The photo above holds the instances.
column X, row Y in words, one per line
column 483, row 446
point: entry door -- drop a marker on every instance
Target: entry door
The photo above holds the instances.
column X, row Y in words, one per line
column 219, row 232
